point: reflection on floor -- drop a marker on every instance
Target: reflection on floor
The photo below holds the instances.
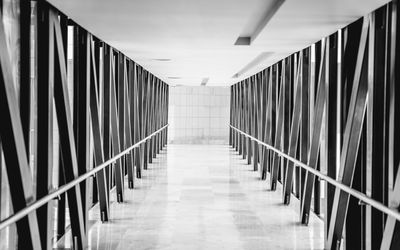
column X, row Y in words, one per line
column 203, row 197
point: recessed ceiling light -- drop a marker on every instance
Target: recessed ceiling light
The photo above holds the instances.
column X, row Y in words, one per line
column 174, row 77
column 204, row 81
column 162, row 59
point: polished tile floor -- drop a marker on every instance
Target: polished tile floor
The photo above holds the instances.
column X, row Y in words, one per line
column 203, row 197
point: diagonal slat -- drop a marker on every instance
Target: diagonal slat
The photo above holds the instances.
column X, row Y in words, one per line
column 15, row 155
column 351, row 140
column 315, row 140
column 101, row 179
column 294, row 135
column 279, row 127
column 68, row 148
column 119, row 175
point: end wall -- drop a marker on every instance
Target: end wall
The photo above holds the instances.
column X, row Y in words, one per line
column 198, row 115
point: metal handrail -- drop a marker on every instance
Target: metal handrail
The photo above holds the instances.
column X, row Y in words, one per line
column 38, row 203
column 359, row 195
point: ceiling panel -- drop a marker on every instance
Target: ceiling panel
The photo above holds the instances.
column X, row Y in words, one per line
column 197, row 37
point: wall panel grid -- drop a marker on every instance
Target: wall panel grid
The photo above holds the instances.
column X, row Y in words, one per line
column 198, row 115
column 335, row 107
column 70, row 103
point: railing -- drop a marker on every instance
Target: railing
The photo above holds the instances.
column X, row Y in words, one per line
column 361, row 196
column 37, row 204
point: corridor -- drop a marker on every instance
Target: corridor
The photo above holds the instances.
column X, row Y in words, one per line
column 202, row 197
column 190, row 125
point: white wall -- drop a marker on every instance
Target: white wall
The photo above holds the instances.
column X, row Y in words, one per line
column 198, row 115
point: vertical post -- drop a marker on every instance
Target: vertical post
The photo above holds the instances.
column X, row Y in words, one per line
column 375, row 162
column 138, row 123
column 305, row 117
column 81, row 109
column 255, row 122
column 249, row 120
column 25, row 59
column 44, row 122
column 331, row 123
column 106, row 111
column 128, row 125
column 120, row 94
column 119, row 173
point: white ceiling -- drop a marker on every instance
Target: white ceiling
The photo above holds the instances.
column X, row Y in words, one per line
column 199, row 35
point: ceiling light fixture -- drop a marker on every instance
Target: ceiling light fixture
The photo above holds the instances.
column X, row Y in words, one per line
column 162, row 59
column 243, row 40
column 256, row 30
column 261, row 57
column 204, row 81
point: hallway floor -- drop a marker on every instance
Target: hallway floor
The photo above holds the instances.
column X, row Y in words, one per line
column 203, row 197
